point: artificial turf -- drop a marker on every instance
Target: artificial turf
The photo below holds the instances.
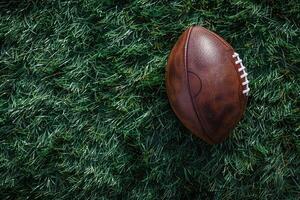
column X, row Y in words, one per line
column 84, row 112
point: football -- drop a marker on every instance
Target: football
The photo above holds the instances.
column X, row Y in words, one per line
column 206, row 84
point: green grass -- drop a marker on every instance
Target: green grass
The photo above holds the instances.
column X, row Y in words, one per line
column 84, row 112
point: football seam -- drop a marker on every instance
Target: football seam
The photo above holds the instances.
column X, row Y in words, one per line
column 188, row 82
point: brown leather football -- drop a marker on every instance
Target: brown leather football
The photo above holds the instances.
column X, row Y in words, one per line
column 207, row 84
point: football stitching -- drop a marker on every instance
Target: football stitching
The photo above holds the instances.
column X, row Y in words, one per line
column 243, row 73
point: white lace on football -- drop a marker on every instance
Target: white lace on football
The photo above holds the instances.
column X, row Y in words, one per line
column 244, row 74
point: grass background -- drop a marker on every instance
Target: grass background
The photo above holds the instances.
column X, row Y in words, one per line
column 84, row 112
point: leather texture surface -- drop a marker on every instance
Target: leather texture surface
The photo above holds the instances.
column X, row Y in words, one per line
column 204, row 86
